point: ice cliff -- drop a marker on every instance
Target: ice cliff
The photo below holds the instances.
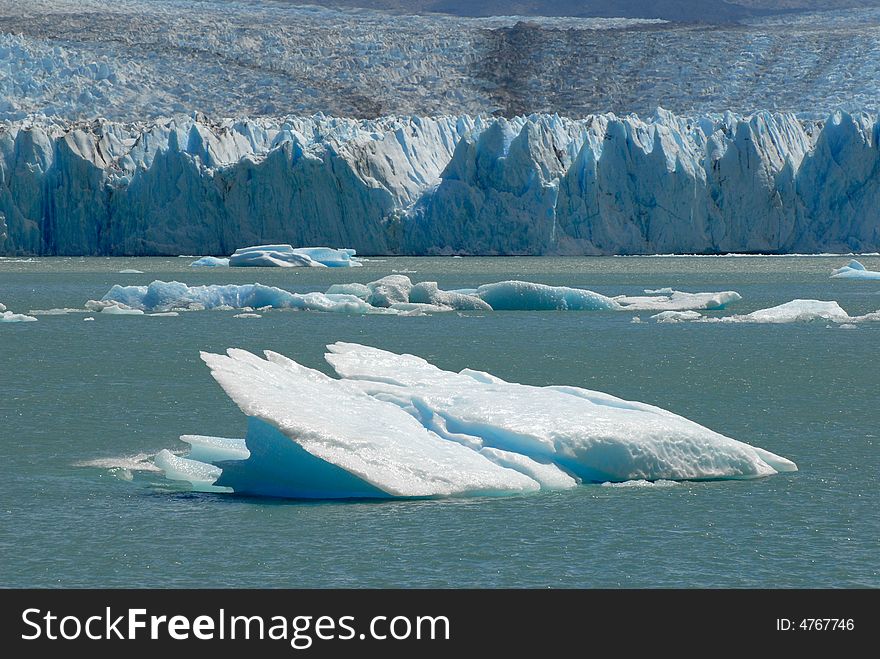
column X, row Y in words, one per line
column 541, row 184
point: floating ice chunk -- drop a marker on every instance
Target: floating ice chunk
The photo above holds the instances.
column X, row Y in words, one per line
column 527, row 296
column 332, row 258
column 164, row 314
column 659, row 291
column 361, row 291
column 396, row 426
column 271, row 256
column 164, row 296
column 418, row 308
column 247, row 315
column 848, row 326
column 9, row 317
column 89, row 318
column 338, row 442
column 121, row 310
column 56, row 312
column 796, row 311
column 389, row 290
column 855, row 270
column 590, row 435
column 2, row 308
column 676, row 316
column 678, row 301
column 642, row 483
column 200, row 475
column 130, row 271
column 427, row 292
column 210, row 262
column 285, row 256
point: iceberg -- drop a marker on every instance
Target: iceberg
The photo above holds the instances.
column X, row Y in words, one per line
column 669, row 300
column 394, row 293
column 210, row 262
column 285, row 256
column 395, row 426
column 389, row 290
column 9, row 317
column 527, row 296
column 796, row 311
column 175, row 295
column 855, row 270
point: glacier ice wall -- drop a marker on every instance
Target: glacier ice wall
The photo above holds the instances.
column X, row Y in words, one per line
column 541, row 184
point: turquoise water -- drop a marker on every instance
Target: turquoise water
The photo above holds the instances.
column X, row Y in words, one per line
column 74, row 392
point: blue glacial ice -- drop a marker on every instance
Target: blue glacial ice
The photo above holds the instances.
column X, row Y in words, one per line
column 285, row 256
column 395, row 294
column 537, row 184
column 855, row 270
column 523, row 295
column 396, row 426
column 795, row 311
column 174, row 295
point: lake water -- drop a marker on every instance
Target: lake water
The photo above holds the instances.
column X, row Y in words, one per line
column 123, row 386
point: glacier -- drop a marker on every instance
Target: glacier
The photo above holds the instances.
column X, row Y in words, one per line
column 540, row 184
column 140, row 59
column 854, row 270
column 392, row 294
column 395, row 426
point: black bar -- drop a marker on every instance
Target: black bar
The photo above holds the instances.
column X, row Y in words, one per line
column 515, row 622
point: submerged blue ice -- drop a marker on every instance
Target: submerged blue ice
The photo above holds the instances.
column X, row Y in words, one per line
column 396, row 426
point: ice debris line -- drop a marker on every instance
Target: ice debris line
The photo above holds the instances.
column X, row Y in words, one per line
column 395, row 294
column 796, row 311
column 283, row 256
column 854, row 270
column 396, row 426
column 537, row 184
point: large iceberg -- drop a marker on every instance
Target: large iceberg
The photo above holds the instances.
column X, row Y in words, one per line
column 523, row 295
column 795, row 311
column 669, row 300
column 285, row 256
column 393, row 294
column 397, row 426
column 162, row 296
column 537, row 184
column 855, row 270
